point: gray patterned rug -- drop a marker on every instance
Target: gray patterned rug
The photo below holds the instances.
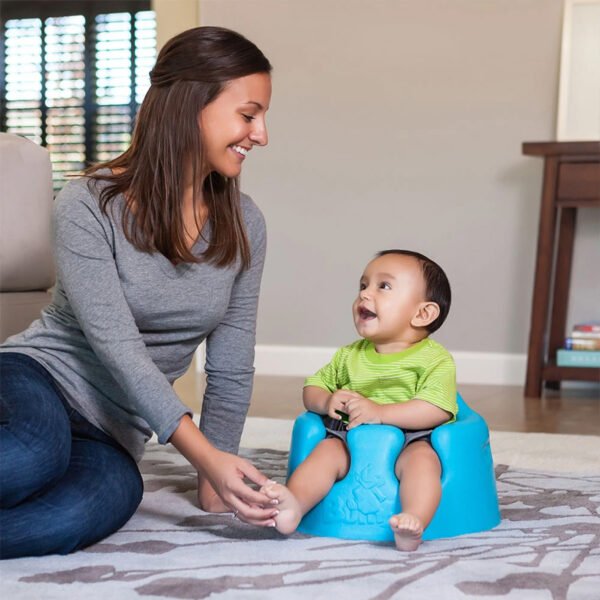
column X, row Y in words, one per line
column 547, row 547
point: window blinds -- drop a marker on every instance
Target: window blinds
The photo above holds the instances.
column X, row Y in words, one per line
column 74, row 83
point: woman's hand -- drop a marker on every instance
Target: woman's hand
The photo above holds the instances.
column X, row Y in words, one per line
column 362, row 410
column 225, row 474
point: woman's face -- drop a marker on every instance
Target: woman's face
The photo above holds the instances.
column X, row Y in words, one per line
column 234, row 122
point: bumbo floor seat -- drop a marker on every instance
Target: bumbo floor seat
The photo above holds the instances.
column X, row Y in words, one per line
column 359, row 506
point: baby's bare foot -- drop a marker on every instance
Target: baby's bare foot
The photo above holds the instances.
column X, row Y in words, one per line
column 289, row 510
column 408, row 531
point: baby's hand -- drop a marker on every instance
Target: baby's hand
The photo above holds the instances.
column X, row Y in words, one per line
column 362, row 410
column 338, row 401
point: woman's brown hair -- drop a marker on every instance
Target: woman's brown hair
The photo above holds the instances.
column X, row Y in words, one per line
column 190, row 72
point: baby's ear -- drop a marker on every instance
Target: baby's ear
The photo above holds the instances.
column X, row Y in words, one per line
column 427, row 313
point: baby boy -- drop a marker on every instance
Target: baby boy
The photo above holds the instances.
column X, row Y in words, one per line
column 395, row 374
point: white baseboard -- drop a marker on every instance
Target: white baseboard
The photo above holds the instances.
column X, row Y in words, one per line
column 490, row 368
column 487, row 368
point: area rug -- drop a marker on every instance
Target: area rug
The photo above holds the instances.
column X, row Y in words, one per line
column 546, row 547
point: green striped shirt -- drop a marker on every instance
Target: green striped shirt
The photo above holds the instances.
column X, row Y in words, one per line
column 425, row 371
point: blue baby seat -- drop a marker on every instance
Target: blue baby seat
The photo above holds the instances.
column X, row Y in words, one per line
column 359, row 506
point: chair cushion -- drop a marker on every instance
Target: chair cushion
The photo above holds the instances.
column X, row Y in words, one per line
column 26, row 202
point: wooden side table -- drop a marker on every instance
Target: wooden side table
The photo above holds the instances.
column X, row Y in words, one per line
column 571, row 180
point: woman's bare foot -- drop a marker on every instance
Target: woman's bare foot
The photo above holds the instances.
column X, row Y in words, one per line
column 408, row 531
column 208, row 499
column 290, row 512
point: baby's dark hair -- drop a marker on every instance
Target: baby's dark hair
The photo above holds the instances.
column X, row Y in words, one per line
column 436, row 284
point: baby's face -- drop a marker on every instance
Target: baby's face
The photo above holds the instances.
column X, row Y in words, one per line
column 391, row 290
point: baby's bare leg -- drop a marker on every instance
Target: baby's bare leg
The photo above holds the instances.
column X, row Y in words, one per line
column 309, row 483
column 419, row 470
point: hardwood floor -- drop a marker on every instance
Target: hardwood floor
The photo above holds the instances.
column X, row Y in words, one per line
column 572, row 410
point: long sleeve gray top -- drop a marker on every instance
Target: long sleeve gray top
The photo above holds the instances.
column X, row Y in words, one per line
column 124, row 324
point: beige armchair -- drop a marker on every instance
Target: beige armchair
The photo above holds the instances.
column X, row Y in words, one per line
column 26, row 267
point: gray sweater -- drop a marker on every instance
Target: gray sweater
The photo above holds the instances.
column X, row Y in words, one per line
column 124, row 324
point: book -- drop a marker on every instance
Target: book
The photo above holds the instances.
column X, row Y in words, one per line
column 576, row 343
column 594, row 335
column 589, row 326
column 578, row 358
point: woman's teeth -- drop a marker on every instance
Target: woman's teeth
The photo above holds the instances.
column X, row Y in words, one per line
column 240, row 150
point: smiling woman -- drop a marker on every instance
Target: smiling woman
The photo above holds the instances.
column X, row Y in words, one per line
column 156, row 251
column 203, row 70
column 235, row 122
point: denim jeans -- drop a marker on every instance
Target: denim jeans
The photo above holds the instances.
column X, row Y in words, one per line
column 64, row 484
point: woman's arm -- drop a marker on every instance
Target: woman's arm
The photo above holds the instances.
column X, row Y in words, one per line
column 230, row 359
column 229, row 373
column 229, row 363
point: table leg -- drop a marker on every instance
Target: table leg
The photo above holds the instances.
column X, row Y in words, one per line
column 543, row 275
column 562, row 278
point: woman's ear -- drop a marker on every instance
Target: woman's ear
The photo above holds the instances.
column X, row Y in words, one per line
column 427, row 313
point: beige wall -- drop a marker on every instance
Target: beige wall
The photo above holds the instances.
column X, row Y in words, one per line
column 173, row 17
column 399, row 124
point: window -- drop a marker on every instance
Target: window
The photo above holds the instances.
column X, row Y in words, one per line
column 73, row 75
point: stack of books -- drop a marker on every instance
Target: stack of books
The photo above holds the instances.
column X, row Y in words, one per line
column 582, row 347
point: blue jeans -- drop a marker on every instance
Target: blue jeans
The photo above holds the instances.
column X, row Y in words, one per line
column 64, row 484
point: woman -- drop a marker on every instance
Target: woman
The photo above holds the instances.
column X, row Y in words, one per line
column 155, row 251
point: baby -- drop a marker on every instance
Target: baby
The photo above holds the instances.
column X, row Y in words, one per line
column 395, row 375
